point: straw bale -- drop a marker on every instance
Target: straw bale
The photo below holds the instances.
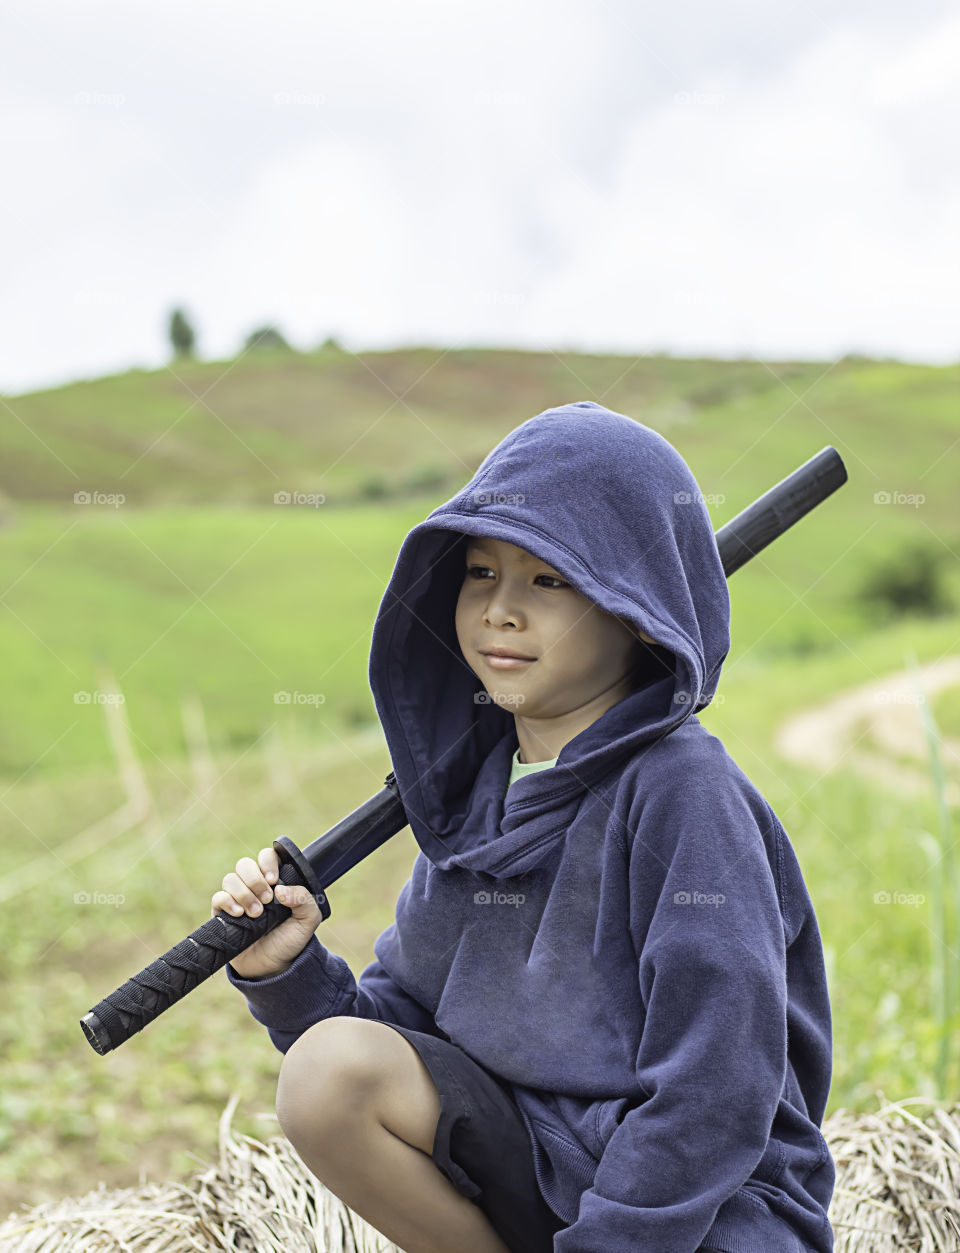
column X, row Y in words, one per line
column 897, row 1188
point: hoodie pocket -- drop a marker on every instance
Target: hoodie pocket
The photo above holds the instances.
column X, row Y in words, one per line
column 561, row 1149
column 609, row 1116
column 588, row 1121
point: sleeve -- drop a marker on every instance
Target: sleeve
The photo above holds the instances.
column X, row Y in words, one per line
column 706, row 924
column 319, row 984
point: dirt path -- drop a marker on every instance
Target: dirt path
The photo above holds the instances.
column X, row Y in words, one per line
column 867, row 728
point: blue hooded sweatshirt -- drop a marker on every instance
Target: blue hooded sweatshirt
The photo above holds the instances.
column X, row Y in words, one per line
column 625, row 937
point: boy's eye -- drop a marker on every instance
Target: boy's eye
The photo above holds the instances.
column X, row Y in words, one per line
column 554, row 580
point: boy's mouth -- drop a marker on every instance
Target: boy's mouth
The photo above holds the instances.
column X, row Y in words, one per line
column 499, row 662
column 501, row 658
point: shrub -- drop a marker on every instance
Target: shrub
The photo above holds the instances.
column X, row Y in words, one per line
column 265, row 337
column 910, row 579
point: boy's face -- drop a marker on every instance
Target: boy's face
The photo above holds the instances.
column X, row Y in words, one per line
column 512, row 599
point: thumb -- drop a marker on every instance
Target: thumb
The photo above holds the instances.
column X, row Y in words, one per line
column 295, row 896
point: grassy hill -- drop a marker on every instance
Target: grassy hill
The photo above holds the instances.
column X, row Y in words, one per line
column 237, row 431
column 199, row 582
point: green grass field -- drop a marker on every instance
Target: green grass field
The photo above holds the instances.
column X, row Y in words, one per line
column 199, row 586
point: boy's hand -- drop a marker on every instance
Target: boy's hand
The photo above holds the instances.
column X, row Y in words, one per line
column 242, row 892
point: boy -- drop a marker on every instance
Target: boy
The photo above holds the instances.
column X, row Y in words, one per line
column 605, row 959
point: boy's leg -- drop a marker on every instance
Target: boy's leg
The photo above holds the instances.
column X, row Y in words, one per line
column 360, row 1108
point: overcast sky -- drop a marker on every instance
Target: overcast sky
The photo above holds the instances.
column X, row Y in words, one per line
column 749, row 178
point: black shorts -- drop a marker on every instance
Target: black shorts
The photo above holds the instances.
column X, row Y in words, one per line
column 482, row 1145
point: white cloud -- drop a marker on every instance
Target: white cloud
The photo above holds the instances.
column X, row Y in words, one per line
column 436, row 174
column 777, row 220
column 925, row 69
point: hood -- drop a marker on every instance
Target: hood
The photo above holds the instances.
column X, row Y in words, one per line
column 614, row 508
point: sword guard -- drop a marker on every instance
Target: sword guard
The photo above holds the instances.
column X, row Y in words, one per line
column 288, row 853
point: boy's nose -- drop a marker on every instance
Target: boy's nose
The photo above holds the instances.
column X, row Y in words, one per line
column 500, row 608
column 499, row 614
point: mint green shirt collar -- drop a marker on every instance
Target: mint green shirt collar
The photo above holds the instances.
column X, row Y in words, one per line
column 519, row 768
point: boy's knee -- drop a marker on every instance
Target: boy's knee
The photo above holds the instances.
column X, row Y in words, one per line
column 328, row 1078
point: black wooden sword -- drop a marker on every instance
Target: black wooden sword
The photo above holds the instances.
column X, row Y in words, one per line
column 144, row 997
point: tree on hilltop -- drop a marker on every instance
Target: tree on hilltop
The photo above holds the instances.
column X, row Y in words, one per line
column 265, row 337
column 182, row 335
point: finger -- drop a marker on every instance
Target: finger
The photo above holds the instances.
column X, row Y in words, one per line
column 295, row 896
column 252, row 876
column 223, row 903
column 269, row 864
column 242, row 893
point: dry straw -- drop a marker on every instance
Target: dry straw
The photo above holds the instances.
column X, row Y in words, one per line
column 898, row 1178
column 897, row 1188
column 260, row 1198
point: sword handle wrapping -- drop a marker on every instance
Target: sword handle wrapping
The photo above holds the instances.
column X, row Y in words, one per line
column 161, row 984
